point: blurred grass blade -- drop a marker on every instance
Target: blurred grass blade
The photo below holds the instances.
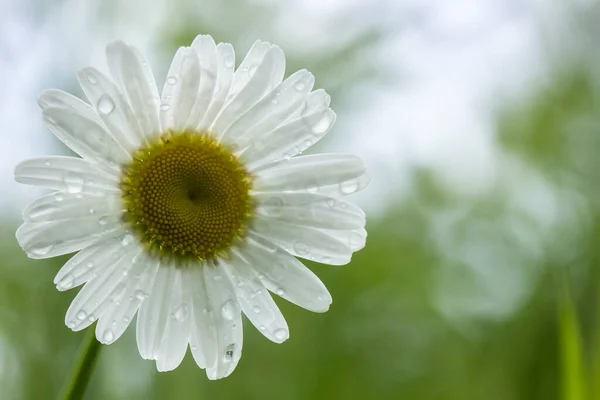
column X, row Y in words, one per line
column 571, row 348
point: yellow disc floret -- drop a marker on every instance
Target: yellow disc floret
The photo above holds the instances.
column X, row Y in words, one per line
column 186, row 195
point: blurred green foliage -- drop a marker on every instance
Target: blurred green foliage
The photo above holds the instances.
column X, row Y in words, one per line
column 412, row 317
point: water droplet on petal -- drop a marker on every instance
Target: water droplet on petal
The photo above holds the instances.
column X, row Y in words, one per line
column 271, row 207
column 105, row 105
column 108, row 336
column 181, row 312
column 217, row 277
column 66, row 282
column 89, row 264
column 171, row 80
column 323, row 125
column 229, row 310
column 140, row 294
column 281, row 334
column 81, row 315
column 103, row 220
column 331, row 203
column 252, row 70
column 59, row 197
column 47, row 163
column 127, row 240
column 256, row 309
column 70, row 324
column 165, row 107
column 40, row 251
column 299, row 86
column 73, row 182
column 262, row 327
column 349, row 187
column 312, row 189
column 92, row 211
column 91, row 78
column 228, row 62
column 229, row 352
column 301, row 248
column 126, row 319
column 279, row 292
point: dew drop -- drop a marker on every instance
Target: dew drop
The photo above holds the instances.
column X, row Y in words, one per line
column 312, row 189
column 262, row 327
column 259, row 292
column 59, row 197
column 349, row 187
column 92, row 317
column 70, row 324
column 323, row 125
column 252, row 70
column 228, row 310
column 279, row 292
column 91, row 78
column 331, row 203
column 228, row 62
column 41, row 251
column 89, row 264
column 66, row 282
column 181, row 312
column 140, row 294
column 165, row 107
column 299, row 86
column 127, row 240
column 92, row 211
column 194, row 348
column 229, row 351
column 81, row 315
column 73, row 182
column 256, row 309
column 271, row 207
column 261, row 276
column 103, row 220
column 301, row 248
column 105, row 105
column 281, row 334
column 126, row 319
column 217, row 277
column 171, row 80
column 108, row 336
column 47, row 163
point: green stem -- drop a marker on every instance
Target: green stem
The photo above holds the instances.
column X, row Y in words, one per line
column 76, row 383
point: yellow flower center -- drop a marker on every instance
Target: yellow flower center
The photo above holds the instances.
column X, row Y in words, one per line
column 186, row 195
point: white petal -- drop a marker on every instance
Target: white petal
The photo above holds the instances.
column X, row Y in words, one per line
column 119, row 315
column 92, row 260
column 225, row 64
column 310, row 210
column 308, row 173
column 71, row 174
column 206, row 48
column 99, row 293
column 290, row 139
column 176, row 331
column 154, row 312
column 77, row 125
column 134, row 77
column 315, row 101
column 61, row 205
column 304, row 241
column 50, row 239
column 253, row 59
column 180, row 89
column 227, row 322
column 271, row 111
column 264, row 77
column 112, row 107
column 355, row 239
column 286, row 276
column 203, row 340
column 256, row 302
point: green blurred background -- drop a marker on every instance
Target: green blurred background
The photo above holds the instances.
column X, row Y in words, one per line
column 480, row 124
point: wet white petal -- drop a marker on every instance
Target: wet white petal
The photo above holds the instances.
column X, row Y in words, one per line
column 228, row 327
column 203, row 338
column 256, row 302
column 180, row 90
column 310, row 209
column 206, row 48
column 70, row 174
column 271, row 111
column 290, row 139
column 50, row 239
column 119, row 315
column 176, row 330
column 308, row 173
column 62, row 205
column 112, row 107
column 263, row 78
column 315, row 101
column 134, row 77
column 225, row 65
column 303, row 241
column 154, row 312
column 92, row 260
column 99, row 293
column 286, row 276
column 77, row 125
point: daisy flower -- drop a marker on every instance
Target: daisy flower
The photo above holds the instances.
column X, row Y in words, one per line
column 189, row 207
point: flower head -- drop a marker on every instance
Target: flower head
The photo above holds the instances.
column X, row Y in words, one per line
column 188, row 208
